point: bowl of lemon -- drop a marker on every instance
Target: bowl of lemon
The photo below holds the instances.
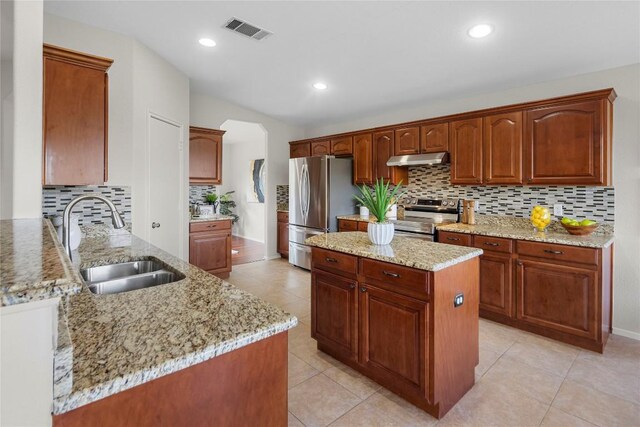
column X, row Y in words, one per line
column 579, row 228
column 540, row 217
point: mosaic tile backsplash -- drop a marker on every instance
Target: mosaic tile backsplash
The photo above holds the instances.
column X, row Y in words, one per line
column 198, row 192
column 55, row 199
column 579, row 201
column 282, row 194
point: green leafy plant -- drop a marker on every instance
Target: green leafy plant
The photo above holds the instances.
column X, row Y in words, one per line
column 227, row 204
column 211, row 198
column 379, row 198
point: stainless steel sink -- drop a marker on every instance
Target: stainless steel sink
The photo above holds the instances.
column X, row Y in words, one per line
column 128, row 276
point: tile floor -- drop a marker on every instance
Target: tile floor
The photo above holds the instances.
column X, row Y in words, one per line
column 522, row 379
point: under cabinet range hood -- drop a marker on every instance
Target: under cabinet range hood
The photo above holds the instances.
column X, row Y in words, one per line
column 418, row 159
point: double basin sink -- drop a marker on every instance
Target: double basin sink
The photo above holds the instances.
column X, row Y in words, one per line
column 128, row 276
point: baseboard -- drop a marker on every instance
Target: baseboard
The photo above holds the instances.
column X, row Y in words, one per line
column 276, row 256
column 249, row 238
column 627, row 334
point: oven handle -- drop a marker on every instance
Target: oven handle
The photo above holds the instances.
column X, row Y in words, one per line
column 421, row 236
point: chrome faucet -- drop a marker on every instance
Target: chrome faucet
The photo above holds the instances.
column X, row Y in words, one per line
column 116, row 218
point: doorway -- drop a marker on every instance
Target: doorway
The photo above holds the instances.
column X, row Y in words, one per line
column 244, row 166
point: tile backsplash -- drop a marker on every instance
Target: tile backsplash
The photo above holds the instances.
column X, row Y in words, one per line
column 579, row 201
column 282, row 194
column 56, row 198
column 198, row 192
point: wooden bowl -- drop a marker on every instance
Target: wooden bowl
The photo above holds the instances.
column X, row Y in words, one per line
column 580, row 230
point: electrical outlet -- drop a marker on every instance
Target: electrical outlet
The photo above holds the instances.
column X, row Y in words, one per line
column 557, row 209
column 477, row 205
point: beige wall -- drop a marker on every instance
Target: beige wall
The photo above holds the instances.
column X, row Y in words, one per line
column 626, row 163
column 210, row 112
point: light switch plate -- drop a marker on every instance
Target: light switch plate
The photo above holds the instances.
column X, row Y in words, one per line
column 557, row 209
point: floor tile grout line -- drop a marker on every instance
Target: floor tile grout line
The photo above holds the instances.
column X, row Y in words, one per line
column 294, row 416
column 360, row 403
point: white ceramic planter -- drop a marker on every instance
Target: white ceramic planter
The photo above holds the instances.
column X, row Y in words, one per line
column 380, row 233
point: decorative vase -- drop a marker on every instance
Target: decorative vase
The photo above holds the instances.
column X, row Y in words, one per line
column 380, row 233
column 364, row 212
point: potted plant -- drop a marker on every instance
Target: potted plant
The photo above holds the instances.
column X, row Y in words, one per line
column 212, row 199
column 378, row 200
column 227, row 204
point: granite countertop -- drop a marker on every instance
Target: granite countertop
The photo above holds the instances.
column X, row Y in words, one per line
column 407, row 251
column 211, row 218
column 33, row 265
column 122, row 340
column 521, row 232
column 357, row 217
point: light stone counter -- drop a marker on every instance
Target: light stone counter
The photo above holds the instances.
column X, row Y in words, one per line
column 123, row 340
column 519, row 232
column 211, row 218
column 33, row 265
column 357, row 217
column 406, row 251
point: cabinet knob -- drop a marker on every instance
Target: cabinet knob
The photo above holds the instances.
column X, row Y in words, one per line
column 363, row 289
column 352, row 286
column 155, row 225
column 520, row 263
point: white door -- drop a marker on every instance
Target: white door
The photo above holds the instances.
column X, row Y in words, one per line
column 165, row 185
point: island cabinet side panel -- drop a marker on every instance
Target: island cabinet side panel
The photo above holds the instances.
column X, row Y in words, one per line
column 245, row 387
column 455, row 332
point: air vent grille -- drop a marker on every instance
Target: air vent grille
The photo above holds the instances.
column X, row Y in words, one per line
column 246, row 29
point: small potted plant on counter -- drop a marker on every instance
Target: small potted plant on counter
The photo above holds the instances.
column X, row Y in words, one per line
column 212, row 199
column 378, row 200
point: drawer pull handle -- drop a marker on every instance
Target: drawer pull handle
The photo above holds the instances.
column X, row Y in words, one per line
column 549, row 251
column 389, row 273
column 363, row 289
column 330, row 259
column 455, row 239
column 211, row 226
column 491, row 244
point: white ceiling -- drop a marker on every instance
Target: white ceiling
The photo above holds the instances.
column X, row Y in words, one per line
column 373, row 55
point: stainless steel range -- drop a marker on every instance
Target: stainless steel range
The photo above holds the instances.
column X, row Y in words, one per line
column 422, row 215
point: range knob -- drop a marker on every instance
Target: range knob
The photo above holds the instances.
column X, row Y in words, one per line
column 452, row 203
column 444, row 203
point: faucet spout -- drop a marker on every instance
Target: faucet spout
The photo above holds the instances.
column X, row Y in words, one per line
column 116, row 218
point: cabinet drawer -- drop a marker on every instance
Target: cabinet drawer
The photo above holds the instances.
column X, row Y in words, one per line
column 570, row 254
column 396, row 278
column 334, row 261
column 196, row 227
column 495, row 244
column 454, row 238
column 283, row 217
column 347, row 225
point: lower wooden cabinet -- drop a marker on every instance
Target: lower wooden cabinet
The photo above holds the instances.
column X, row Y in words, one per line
column 283, row 234
column 352, row 225
column 335, row 298
column 210, row 248
column 559, row 291
column 398, row 353
column 557, row 297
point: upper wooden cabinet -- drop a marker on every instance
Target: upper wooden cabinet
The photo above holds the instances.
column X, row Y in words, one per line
column 383, row 146
column 320, row 148
column 75, row 117
column 465, row 142
column 299, row 149
column 434, row 137
column 205, row 156
column 569, row 144
column 502, row 144
column 363, row 159
column 407, row 141
column 342, row 146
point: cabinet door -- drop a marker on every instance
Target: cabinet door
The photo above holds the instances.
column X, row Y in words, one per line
column 299, row 150
column 320, row 148
column 283, row 238
column 342, row 146
column 557, row 297
column 407, row 141
column 333, row 313
column 393, row 338
column 503, row 148
column 347, row 225
column 362, row 159
column 363, row 226
column 496, row 283
column 205, row 157
column 211, row 251
column 465, row 142
column 383, row 143
column 75, row 124
column 566, row 144
column 434, row 138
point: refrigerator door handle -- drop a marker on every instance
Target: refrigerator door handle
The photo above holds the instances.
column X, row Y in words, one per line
column 304, row 191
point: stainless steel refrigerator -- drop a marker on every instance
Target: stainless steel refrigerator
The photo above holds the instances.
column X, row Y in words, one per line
column 320, row 188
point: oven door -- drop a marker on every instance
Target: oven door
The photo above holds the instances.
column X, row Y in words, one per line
column 421, row 236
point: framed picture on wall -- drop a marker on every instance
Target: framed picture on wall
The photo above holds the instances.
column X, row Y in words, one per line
column 256, row 170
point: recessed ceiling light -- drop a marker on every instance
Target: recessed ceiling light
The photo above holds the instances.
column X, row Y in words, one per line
column 207, row 42
column 320, row 86
column 480, row 30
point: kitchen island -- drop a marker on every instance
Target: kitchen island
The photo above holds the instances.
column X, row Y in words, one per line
column 404, row 314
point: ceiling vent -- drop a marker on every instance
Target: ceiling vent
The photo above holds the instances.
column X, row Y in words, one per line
column 246, row 29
